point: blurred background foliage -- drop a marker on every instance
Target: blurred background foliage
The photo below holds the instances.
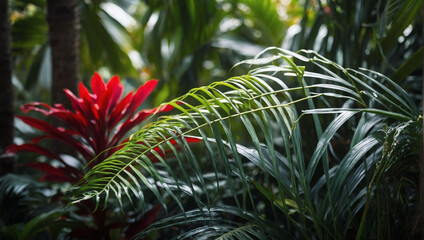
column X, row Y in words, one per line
column 189, row 43
column 182, row 43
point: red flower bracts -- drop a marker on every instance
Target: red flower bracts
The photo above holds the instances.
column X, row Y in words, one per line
column 98, row 122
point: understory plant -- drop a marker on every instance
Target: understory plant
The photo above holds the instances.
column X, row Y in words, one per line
column 299, row 148
column 93, row 129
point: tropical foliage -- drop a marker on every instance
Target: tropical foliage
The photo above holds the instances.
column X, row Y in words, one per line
column 295, row 144
column 269, row 185
column 26, row 211
column 215, row 34
column 94, row 128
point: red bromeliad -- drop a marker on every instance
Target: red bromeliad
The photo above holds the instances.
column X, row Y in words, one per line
column 98, row 122
column 94, row 128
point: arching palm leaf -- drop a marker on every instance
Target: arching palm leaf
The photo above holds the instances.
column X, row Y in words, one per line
column 252, row 148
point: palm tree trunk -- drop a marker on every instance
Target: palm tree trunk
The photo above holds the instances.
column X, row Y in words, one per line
column 62, row 16
column 6, row 89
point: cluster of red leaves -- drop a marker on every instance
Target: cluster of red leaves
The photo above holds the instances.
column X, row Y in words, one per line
column 93, row 128
column 98, row 122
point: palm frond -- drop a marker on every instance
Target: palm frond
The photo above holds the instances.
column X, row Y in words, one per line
column 15, row 199
column 305, row 183
column 218, row 223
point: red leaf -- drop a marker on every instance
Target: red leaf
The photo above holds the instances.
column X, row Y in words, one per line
column 114, row 90
column 52, row 173
column 85, row 94
column 153, row 158
column 39, row 124
column 141, row 94
column 59, row 106
column 78, row 105
column 124, row 127
column 55, row 133
column 103, row 93
column 97, row 85
column 129, row 104
column 119, row 112
column 192, row 139
column 90, row 102
column 73, row 120
column 32, row 106
column 30, row 147
column 39, row 139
